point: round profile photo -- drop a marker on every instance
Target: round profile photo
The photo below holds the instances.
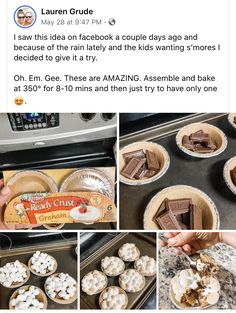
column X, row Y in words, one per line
column 25, row 16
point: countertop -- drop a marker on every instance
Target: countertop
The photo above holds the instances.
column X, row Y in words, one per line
column 225, row 257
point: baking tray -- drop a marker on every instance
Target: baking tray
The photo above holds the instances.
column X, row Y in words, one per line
column 205, row 174
column 146, row 245
column 63, row 252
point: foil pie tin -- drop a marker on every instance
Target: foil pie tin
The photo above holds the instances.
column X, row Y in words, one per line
column 88, row 179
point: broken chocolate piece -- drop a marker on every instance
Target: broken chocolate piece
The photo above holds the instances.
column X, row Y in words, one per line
column 161, row 210
column 233, row 175
column 141, row 172
column 152, row 161
column 132, row 167
column 150, row 173
column 195, row 217
column 199, row 142
column 168, row 221
column 138, row 154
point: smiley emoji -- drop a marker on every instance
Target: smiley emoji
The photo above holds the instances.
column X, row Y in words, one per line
column 19, row 100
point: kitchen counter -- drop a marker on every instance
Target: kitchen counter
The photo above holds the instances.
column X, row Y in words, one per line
column 225, row 257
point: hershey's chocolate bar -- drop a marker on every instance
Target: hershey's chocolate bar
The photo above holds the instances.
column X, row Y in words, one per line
column 161, row 210
column 168, row 221
column 132, row 167
column 138, row 154
column 195, row 217
column 179, row 206
column 152, row 161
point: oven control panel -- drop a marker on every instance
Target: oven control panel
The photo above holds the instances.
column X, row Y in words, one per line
column 33, row 121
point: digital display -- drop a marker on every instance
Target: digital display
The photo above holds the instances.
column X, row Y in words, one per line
column 33, row 116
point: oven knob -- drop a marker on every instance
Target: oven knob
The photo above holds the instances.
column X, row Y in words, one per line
column 87, row 116
column 39, row 125
column 35, row 126
column 44, row 124
column 26, row 126
column 108, row 116
column 31, row 126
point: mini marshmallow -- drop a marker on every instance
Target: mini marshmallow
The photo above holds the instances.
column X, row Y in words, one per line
column 113, row 298
column 129, row 252
column 42, row 263
column 112, row 266
column 62, row 286
column 94, row 282
column 131, row 280
column 12, row 273
column 146, row 265
column 27, row 300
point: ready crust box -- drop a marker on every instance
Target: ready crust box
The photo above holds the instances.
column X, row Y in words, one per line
column 58, row 196
column 68, row 207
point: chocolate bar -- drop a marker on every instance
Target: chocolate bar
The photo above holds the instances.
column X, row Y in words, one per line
column 199, row 142
column 168, row 221
column 138, row 154
column 141, row 172
column 195, row 217
column 178, row 213
column 152, row 161
column 161, row 210
column 233, row 175
column 179, row 206
column 150, row 164
column 132, row 167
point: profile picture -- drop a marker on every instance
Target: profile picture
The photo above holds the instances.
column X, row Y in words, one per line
column 25, row 16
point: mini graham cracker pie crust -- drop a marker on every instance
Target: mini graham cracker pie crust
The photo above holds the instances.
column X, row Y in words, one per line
column 30, row 182
column 229, row 176
column 160, row 154
column 41, row 297
column 57, row 299
column 210, row 215
column 232, row 119
column 40, row 188
column 216, row 135
column 48, row 273
column 18, row 284
column 121, row 291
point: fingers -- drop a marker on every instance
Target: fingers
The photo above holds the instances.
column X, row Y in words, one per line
column 4, row 194
column 167, row 235
column 181, row 239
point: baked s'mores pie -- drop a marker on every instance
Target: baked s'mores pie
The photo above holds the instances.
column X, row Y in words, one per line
column 129, row 252
column 94, row 282
column 146, row 265
column 131, row 280
column 112, row 266
column 113, row 298
column 42, row 264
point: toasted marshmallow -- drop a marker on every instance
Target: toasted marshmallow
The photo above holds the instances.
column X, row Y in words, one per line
column 112, row 266
column 131, row 280
column 94, row 282
column 146, row 265
column 129, row 252
column 113, row 298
